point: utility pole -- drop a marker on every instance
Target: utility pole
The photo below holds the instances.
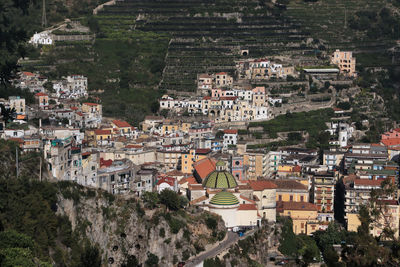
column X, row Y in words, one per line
column 16, row 160
column 44, row 19
column 40, row 168
column 345, row 17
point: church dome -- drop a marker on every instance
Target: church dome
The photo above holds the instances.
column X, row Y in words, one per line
column 224, row 198
column 220, row 180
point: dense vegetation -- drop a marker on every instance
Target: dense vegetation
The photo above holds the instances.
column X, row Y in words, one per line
column 312, row 122
column 354, row 248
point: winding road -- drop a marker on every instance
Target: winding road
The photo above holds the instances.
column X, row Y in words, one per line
column 229, row 241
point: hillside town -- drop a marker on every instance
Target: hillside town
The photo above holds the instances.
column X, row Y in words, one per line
column 205, row 159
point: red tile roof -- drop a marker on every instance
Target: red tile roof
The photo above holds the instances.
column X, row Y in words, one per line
column 105, row 163
column 391, row 141
column 27, row 73
column 247, row 207
column 288, row 205
column 262, row 185
column 204, row 167
column 197, row 200
column 166, row 179
column 121, row 124
column 41, row 94
column 367, row 182
column 231, row 131
column 102, row 132
column 228, row 98
column 190, row 180
column 203, row 151
column 90, row 104
column 289, row 184
column 221, row 73
column 74, row 108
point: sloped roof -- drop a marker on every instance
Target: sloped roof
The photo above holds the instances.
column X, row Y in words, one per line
column 121, row 124
column 231, row 131
column 289, row 205
column 368, row 182
column 391, row 141
column 101, row 132
column 262, row 185
column 289, row 184
column 204, row 167
column 247, row 207
column 90, row 104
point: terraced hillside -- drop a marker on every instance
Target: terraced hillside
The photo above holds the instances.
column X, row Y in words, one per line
column 330, row 20
column 207, row 35
column 357, row 25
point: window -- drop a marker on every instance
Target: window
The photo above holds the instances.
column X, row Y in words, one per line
column 112, row 178
column 302, row 198
column 264, row 196
column 280, row 197
column 291, row 198
column 302, row 225
column 93, row 168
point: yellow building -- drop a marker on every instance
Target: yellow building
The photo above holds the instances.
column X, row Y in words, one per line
column 288, row 171
column 303, row 214
column 192, row 156
column 102, row 136
column 172, row 127
column 353, row 222
column 123, row 127
column 290, row 190
column 93, row 108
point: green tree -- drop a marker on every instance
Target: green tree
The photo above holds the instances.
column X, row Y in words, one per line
column 13, row 37
column 170, row 199
column 8, row 114
column 155, row 107
column 152, row 260
column 90, row 256
column 151, row 199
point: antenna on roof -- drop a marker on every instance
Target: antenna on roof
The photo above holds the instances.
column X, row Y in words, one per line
column 44, row 19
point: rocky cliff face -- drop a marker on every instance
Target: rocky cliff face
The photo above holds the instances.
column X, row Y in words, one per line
column 121, row 227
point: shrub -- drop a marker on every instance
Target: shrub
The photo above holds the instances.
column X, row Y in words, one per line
column 162, row 232
column 186, row 255
column 152, row 260
column 211, row 223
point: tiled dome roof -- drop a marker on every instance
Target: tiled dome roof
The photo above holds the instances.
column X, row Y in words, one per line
column 224, row 198
column 220, row 179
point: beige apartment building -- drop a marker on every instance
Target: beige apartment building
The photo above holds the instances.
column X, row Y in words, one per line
column 345, row 62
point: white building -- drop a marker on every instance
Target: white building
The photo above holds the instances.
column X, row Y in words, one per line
column 230, row 137
column 42, row 38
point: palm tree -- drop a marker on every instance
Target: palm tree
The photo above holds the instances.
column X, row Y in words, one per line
column 8, row 114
